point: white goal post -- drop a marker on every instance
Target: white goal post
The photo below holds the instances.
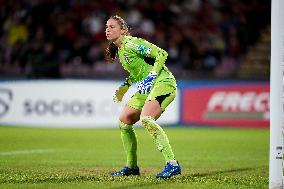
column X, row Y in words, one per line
column 276, row 95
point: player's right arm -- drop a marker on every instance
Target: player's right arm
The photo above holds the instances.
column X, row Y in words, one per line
column 122, row 89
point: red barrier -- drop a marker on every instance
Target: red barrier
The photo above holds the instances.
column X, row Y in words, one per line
column 238, row 105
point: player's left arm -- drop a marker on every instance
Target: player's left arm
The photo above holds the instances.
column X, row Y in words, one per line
column 160, row 56
column 148, row 49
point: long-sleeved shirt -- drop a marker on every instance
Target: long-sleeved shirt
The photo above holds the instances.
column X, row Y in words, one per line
column 139, row 57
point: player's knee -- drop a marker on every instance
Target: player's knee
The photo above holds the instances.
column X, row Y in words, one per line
column 124, row 126
column 128, row 119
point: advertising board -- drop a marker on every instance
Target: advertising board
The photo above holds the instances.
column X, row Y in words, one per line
column 241, row 105
column 66, row 103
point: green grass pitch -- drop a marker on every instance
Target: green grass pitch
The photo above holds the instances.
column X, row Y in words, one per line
column 217, row 158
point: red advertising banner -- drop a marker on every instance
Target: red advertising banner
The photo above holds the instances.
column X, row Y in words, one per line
column 244, row 105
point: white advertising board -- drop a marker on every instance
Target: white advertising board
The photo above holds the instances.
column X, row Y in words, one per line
column 67, row 103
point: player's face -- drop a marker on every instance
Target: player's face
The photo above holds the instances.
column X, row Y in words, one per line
column 113, row 30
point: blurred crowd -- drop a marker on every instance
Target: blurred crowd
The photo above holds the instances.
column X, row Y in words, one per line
column 57, row 38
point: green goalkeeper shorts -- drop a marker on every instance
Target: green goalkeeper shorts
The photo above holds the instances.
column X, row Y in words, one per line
column 163, row 91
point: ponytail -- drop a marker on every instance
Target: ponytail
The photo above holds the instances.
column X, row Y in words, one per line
column 111, row 52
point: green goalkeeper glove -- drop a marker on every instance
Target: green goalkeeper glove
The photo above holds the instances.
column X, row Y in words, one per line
column 119, row 93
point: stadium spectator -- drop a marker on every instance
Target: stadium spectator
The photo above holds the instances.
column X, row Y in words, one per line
column 202, row 32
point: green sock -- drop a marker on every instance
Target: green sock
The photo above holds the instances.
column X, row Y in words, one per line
column 159, row 136
column 129, row 141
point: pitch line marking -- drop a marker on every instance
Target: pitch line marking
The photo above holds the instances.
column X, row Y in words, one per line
column 34, row 151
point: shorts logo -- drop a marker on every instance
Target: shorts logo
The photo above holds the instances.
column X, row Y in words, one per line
column 6, row 97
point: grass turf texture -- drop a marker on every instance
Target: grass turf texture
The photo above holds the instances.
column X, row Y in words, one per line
column 84, row 158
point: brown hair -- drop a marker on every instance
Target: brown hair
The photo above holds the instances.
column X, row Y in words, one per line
column 111, row 50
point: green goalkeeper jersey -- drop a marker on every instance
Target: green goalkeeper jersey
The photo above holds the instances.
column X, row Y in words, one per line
column 139, row 57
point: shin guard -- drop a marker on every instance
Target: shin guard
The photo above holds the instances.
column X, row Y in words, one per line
column 129, row 141
column 159, row 136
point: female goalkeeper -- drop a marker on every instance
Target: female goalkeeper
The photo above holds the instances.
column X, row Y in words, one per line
column 156, row 89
